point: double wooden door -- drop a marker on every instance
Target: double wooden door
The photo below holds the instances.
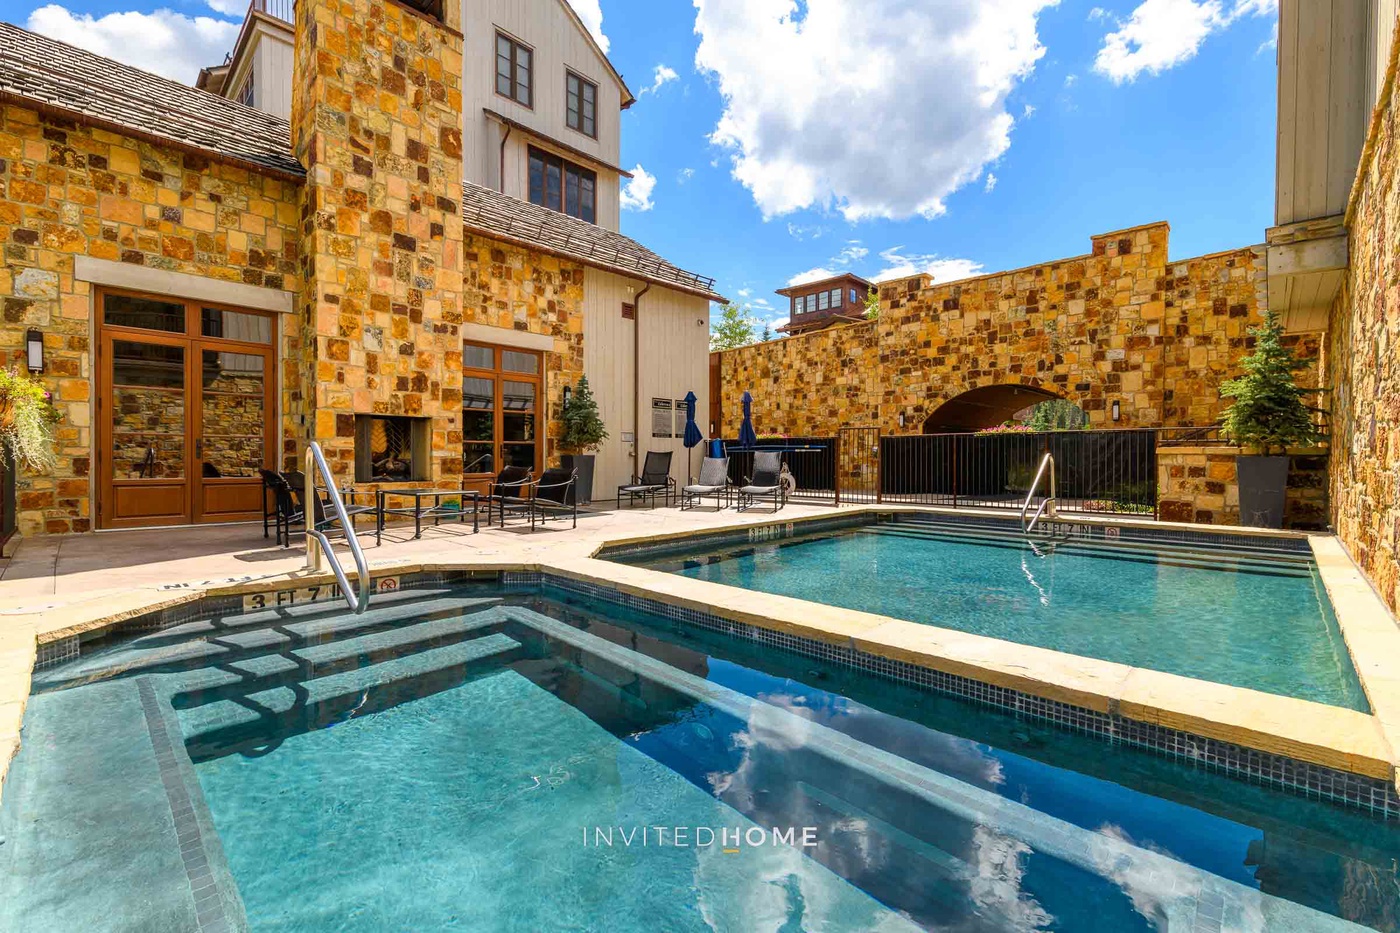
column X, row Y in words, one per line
column 186, row 410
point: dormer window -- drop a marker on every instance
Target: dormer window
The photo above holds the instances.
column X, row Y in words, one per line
column 581, row 105
column 245, row 94
column 514, row 70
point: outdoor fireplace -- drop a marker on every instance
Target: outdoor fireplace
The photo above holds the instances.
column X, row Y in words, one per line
column 391, row 449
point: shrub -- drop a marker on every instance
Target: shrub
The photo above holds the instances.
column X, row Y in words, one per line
column 1268, row 412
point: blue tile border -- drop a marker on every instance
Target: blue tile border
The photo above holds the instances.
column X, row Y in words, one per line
column 1373, row 795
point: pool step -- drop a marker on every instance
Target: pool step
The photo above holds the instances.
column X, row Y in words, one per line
column 322, row 659
column 255, row 722
column 219, row 641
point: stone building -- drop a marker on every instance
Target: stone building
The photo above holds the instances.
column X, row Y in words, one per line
column 837, row 299
column 215, row 285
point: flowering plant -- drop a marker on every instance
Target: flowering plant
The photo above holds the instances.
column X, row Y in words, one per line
column 1007, row 429
column 27, row 417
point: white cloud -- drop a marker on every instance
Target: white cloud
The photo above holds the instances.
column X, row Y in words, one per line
column 228, row 7
column 899, row 265
column 851, row 252
column 744, row 292
column 636, row 194
column 684, row 175
column 1071, row 80
column 991, row 183
column 924, row 85
column 1160, row 34
column 592, row 15
column 664, row 74
column 1098, row 13
column 811, row 275
column 1269, row 43
column 164, row 42
column 1027, row 111
column 799, row 232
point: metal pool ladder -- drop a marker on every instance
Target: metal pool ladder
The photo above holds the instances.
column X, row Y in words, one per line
column 316, row 541
column 1047, row 505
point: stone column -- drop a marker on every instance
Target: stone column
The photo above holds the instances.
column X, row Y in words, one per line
column 376, row 121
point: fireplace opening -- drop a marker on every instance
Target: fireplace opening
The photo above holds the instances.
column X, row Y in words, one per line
column 391, row 448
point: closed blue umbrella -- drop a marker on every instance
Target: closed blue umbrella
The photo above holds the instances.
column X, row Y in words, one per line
column 692, row 435
column 747, row 437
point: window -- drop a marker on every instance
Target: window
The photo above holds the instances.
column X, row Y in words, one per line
column 811, row 303
column 822, row 298
column 797, row 306
column 581, row 100
column 853, row 296
column 563, row 186
column 513, row 70
column 245, row 94
column 501, row 388
column 836, row 297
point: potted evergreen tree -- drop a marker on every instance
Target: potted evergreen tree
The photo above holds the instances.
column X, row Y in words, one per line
column 1267, row 417
column 583, row 432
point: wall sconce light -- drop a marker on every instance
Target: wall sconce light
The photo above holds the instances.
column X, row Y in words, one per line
column 901, row 420
column 34, row 346
column 1116, row 411
column 568, row 394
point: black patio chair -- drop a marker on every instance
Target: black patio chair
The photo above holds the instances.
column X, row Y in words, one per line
column 321, row 512
column 279, row 505
column 766, row 484
column 552, row 496
column 654, row 481
column 509, row 483
column 713, row 482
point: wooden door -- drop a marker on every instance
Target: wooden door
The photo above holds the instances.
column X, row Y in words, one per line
column 186, row 411
column 502, row 408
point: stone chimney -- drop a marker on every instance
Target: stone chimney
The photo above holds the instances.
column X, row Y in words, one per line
column 376, row 122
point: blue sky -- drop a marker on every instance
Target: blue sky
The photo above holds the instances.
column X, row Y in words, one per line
column 829, row 135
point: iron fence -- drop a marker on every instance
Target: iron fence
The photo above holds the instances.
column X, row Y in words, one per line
column 811, row 460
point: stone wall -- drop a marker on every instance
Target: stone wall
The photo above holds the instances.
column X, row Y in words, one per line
column 1363, row 360
column 524, row 290
column 69, row 190
column 1201, row 485
column 1122, row 323
column 376, row 121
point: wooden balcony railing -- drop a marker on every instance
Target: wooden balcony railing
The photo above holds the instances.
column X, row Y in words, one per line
column 284, row 10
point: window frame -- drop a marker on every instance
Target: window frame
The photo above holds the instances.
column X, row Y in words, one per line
column 835, row 301
column 566, row 169
column 516, row 47
column 571, row 76
column 499, row 375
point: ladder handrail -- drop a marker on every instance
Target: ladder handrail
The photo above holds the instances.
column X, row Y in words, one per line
column 1048, row 505
column 359, row 599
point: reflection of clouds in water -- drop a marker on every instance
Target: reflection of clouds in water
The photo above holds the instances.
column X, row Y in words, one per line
column 960, row 758
column 996, row 882
column 1156, row 886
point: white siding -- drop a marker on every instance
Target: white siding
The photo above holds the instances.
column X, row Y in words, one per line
column 674, row 353
column 1380, row 33
column 272, row 73
column 559, row 46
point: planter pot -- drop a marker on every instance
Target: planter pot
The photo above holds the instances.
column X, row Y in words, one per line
column 1263, row 490
column 583, row 489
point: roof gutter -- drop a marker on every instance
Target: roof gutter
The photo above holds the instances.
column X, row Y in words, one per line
column 637, row 376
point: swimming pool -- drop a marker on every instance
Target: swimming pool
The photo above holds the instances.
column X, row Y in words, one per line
column 1246, row 618
column 480, row 760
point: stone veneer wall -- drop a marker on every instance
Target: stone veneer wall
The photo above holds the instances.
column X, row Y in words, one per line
column 523, row 290
column 1201, row 485
column 1363, row 359
column 69, row 190
column 1120, row 323
column 376, row 121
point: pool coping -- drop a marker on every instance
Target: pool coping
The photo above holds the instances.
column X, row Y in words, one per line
column 1311, row 733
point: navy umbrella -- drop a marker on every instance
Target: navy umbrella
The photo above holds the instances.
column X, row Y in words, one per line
column 747, row 437
column 692, row 430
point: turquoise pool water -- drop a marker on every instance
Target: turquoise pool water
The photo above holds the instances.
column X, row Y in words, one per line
column 451, row 760
column 1259, row 622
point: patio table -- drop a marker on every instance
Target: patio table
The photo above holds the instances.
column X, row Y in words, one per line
column 436, row 510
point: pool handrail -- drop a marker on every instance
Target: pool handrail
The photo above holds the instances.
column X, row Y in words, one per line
column 1047, row 505
column 357, row 600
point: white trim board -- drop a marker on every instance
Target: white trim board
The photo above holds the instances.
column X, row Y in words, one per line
column 182, row 285
column 507, row 337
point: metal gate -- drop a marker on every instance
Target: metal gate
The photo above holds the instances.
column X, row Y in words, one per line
column 857, row 465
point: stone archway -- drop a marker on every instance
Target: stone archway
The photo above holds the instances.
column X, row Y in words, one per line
column 983, row 407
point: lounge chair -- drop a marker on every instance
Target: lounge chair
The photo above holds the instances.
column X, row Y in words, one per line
column 282, row 509
column 713, row 481
column 510, row 482
column 654, row 481
column 322, row 512
column 552, row 496
column 766, row 483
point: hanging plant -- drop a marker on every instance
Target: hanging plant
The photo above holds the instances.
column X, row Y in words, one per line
column 27, row 417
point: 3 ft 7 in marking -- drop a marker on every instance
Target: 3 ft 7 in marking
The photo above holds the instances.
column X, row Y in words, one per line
column 310, row 594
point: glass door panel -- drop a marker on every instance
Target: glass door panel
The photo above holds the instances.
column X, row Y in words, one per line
column 478, row 426
column 234, row 433
column 146, row 433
